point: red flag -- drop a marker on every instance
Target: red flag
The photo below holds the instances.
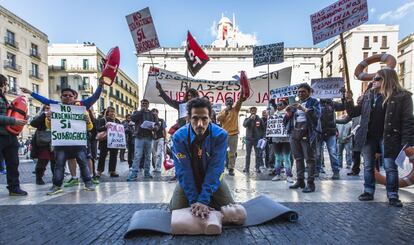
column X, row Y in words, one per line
column 195, row 56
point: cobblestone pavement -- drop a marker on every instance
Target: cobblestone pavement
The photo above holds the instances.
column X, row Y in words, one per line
column 319, row 223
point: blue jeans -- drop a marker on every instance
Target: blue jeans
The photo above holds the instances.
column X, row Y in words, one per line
column 258, row 153
column 62, row 154
column 348, row 153
column 143, row 147
column 282, row 153
column 392, row 179
column 368, row 151
column 333, row 153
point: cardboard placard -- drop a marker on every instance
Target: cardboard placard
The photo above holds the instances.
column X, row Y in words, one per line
column 327, row 88
column 116, row 136
column 268, row 54
column 275, row 127
column 68, row 125
column 143, row 31
column 283, row 92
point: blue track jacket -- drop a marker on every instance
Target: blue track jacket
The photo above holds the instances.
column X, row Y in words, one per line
column 214, row 154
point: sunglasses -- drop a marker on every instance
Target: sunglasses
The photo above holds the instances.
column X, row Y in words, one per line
column 377, row 79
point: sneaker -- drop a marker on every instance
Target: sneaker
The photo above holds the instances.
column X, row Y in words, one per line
column 17, row 192
column 395, row 202
column 148, row 176
column 352, row 174
column 276, row 178
column 335, row 176
column 289, row 179
column 95, row 181
column 132, row 178
column 71, row 182
column 89, row 186
column 366, row 197
column 114, row 175
column 54, row 190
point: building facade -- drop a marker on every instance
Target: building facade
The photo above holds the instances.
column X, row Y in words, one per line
column 79, row 66
column 228, row 56
column 23, row 59
column 405, row 66
column 361, row 42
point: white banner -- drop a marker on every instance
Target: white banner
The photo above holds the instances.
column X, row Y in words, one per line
column 68, row 125
column 337, row 18
column 327, row 88
column 175, row 86
column 275, row 127
column 116, row 136
column 143, row 31
column 284, row 92
column 268, row 54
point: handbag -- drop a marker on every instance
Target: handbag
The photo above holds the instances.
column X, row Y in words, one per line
column 43, row 138
column 102, row 136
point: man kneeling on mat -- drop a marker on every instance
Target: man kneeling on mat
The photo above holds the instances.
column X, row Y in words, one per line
column 199, row 152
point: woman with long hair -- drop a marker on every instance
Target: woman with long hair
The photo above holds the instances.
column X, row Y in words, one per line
column 387, row 126
column 9, row 145
column 110, row 116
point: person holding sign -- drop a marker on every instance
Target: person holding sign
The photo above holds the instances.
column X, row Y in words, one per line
column 229, row 120
column 67, row 151
column 255, row 130
column 145, row 126
column 280, row 140
column 9, row 145
column 189, row 94
column 302, row 124
column 386, row 116
column 103, row 123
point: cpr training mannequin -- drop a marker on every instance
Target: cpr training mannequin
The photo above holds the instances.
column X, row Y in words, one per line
column 183, row 222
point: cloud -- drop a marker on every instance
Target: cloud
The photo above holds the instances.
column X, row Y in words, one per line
column 372, row 10
column 398, row 13
column 246, row 39
column 213, row 29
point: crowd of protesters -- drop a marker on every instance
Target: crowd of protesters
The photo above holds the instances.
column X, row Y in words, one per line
column 376, row 127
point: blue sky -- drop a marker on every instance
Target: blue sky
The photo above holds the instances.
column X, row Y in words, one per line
column 103, row 22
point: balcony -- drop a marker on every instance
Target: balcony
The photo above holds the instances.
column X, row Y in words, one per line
column 80, row 69
column 34, row 53
column 56, row 68
column 8, row 64
column 11, row 42
column 35, row 75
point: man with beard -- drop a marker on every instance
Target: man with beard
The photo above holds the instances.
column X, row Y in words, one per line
column 199, row 152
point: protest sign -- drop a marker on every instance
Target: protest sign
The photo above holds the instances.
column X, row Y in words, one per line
column 143, row 31
column 268, row 54
column 182, row 110
column 275, row 127
column 68, row 125
column 116, row 136
column 216, row 108
column 327, row 88
column 337, row 18
column 283, row 92
column 175, row 86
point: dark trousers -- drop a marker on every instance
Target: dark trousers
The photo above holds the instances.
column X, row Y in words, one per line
column 9, row 148
column 113, row 153
column 131, row 150
column 41, row 167
column 258, row 154
column 302, row 150
column 122, row 154
column 356, row 158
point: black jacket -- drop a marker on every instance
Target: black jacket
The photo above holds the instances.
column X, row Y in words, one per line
column 328, row 120
column 255, row 128
column 138, row 117
column 399, row 122
column 38, row 122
